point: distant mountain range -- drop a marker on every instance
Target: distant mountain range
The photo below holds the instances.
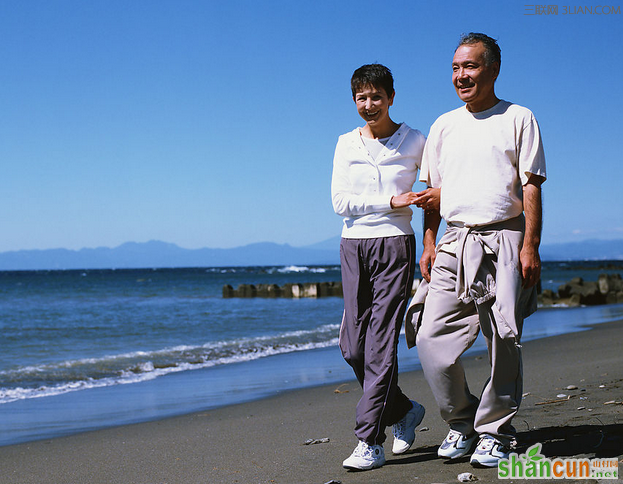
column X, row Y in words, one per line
column 161, row 254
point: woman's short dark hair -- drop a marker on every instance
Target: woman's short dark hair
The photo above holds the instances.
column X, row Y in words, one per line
column 493, row 53
column 375, row 75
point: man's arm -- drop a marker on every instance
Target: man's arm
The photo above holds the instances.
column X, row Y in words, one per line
column 432, row 219
column 529, row 256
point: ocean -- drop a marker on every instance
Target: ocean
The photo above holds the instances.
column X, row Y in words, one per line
column 82, row 350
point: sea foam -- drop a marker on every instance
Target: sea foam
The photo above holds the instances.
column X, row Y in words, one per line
column 51, row 379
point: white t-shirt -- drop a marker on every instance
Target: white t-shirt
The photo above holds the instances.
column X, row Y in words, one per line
column 481, row 161
column 362, row 185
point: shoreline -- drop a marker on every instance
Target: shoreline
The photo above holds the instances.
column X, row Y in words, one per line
column 264, row 440
column 187, row 392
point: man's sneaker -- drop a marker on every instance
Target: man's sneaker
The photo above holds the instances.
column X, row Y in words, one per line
column 456, row 445
column 489, row 452
column 365, row 457
column 404, row 430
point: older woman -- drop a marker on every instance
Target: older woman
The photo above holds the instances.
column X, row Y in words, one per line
column 374, row 170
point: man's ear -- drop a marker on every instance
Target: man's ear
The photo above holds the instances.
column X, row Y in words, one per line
column 496, row 66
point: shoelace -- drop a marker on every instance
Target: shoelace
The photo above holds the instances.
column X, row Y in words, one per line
column 399, row 427
column 453, row 436
column 364, row 450
column 486, row 444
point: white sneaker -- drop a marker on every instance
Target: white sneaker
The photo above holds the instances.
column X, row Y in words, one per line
column 404, row 430
column 456, row 445
column 489, row 452
column 365, row 457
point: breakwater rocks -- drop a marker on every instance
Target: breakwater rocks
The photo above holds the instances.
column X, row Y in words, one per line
column 608, row 289
column 308, row 289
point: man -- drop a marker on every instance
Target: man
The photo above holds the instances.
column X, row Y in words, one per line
column 374, row 169
column 487, row 159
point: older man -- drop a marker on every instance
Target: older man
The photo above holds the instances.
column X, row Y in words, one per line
column 487, row 159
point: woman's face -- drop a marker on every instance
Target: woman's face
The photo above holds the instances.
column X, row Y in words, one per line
column 373, row 104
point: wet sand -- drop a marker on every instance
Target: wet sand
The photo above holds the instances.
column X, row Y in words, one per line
column 264, row 441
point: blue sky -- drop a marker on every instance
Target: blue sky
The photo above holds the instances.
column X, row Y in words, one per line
column 213, row 124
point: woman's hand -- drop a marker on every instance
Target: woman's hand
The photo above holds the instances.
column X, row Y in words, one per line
column 403, row 200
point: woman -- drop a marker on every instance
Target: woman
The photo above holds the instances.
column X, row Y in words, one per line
column 374, row 170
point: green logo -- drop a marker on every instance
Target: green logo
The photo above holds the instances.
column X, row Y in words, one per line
column 534, row 465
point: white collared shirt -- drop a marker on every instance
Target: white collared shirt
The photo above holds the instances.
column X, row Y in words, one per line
column 362, row 186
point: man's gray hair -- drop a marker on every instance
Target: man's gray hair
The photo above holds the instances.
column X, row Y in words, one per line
column 493, row 53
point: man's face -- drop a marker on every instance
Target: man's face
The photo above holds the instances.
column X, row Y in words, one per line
column 373, row 104
column 473, row 80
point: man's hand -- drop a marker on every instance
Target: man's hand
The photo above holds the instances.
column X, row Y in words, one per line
column 427, row 260
column 530, row 265
column 432, row 219
column 429, row 199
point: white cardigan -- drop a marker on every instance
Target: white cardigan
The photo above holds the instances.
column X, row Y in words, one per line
column 362, row 187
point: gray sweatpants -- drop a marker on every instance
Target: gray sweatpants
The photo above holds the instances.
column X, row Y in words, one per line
column 377, row 276
column 449, row 327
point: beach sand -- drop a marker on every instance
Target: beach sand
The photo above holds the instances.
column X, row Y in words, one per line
column 264, row 441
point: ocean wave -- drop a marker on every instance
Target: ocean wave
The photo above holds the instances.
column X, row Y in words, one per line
column 291, row 269
column 51, row 379
column 302, row 269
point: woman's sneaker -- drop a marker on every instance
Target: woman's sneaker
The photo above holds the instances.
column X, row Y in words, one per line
column 365, row 457
column 404, row 430
column 489, row 452
column 456, row 445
